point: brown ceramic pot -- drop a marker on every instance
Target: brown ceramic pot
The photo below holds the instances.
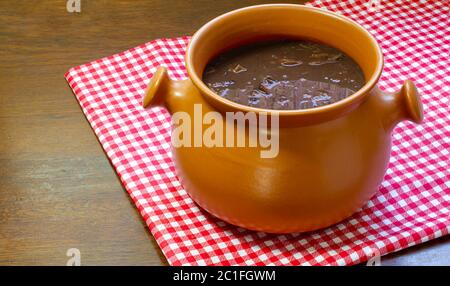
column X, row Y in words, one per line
column 331, row 158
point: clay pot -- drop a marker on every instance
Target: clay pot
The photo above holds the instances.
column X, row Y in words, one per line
column 331, row 159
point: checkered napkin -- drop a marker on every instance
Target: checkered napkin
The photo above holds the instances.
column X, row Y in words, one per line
column 413, row 202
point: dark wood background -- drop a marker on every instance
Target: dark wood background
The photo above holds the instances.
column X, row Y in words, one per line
column 57, row 188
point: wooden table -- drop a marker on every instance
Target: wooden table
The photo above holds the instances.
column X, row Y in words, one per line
column 57, row 187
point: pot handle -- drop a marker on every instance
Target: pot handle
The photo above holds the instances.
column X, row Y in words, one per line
column 165, row 92
column 404, row 104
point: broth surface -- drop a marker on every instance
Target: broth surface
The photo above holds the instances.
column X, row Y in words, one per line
column 284, row 74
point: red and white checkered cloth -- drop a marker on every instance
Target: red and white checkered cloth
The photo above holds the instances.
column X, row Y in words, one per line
column 413, row 202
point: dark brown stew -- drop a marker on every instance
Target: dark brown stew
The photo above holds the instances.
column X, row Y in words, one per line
column 284, row 74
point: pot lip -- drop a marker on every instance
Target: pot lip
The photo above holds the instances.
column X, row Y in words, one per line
column 339, row 105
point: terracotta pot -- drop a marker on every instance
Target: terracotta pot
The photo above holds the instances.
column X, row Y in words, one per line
column 331, row 158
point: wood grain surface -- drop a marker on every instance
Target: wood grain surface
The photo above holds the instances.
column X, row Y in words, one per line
column 57, row 187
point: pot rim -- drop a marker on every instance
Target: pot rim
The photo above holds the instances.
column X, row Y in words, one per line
column 195, row 43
